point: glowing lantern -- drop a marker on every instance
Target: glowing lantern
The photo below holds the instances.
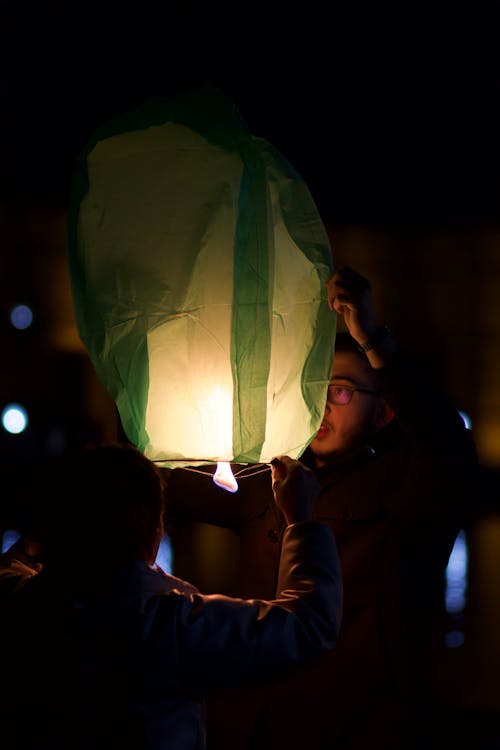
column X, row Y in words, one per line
column 198, row 261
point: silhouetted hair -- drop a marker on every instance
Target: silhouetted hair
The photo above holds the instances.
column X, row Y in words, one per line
column 344, row 342
column 108, row 502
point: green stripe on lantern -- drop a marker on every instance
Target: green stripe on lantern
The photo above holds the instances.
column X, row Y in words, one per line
column 250, row 341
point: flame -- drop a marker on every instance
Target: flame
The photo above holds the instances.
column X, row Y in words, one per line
column 224, row 477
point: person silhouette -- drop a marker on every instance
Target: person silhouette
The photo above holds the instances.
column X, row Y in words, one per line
column 103, row 649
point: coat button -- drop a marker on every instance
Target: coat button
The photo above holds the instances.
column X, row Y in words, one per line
column 272, row 536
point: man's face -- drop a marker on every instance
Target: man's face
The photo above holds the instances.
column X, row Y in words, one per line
column 346, row 426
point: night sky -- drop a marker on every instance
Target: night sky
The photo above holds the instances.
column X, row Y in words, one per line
column 390, row 117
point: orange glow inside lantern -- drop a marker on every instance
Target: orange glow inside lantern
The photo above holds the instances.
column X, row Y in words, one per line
column 198, row 263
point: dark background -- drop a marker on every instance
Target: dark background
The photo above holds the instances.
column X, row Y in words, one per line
column 390, row 114
column 392, row 117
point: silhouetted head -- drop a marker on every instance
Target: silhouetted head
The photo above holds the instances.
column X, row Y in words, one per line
column 106, row 506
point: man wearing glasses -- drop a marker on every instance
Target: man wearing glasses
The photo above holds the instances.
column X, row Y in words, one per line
column 354, row 385
column 398, row 470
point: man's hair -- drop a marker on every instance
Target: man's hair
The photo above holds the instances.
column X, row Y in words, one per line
column 106, row 500
column 344, row 342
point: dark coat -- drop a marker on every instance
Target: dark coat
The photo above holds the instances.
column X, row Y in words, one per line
column 395, row 507
column 127, row 662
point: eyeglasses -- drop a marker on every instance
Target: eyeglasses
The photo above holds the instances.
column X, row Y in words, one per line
column 340, row 395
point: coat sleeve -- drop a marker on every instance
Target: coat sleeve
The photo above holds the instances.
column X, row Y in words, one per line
column 225, row 642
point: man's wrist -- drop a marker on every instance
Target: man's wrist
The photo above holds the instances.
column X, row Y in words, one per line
column 380, row 335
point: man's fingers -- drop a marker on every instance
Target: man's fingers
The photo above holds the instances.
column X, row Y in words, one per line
column 278, row 468
column 347, row 277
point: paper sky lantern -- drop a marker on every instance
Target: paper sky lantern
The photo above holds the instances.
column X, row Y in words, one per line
column 198, row 261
